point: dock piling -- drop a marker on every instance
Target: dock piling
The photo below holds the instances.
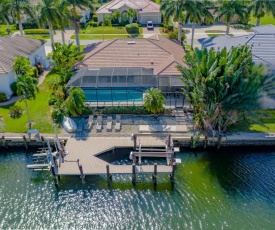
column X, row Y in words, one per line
column 172, row 175
column 82, row 176
column 4, row 142
column 205, row 142
column 109, row 176
column 25, row 141
column 134, row 173
column 155, row 173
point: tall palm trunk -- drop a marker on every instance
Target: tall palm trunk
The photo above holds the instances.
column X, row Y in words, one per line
column 258, row 21
column 20, row 24
column 193, row 32
column 227, row 28
column 51, row 33
column 63, row 36
column 76, row 28
column 9, row 27
column 28, row 113
column 179, row 30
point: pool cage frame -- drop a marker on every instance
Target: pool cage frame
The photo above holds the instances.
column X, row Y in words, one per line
column 129, row 79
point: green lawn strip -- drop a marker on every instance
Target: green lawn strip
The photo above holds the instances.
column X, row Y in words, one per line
column 214, row 33
column 266, row 20
column 38, row 36
column 268, row 119
column 106, row 30
column 40, row 112
column 106, row 37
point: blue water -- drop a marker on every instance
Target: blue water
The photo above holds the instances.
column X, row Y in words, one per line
column 225, row 189
column 114, row 94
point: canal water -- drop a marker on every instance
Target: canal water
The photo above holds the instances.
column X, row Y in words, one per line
column 226, row 189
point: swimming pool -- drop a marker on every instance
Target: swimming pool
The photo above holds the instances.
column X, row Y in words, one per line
column 114, row 94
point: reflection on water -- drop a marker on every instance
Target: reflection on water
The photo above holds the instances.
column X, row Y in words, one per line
column 231, row 189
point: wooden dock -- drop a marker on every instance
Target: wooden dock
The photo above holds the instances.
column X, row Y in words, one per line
column 84, row 152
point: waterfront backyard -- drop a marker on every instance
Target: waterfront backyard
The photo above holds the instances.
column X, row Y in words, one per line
column 231, row 188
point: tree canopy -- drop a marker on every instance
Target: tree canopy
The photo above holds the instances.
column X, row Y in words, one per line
column 223, row 87
column 154, row 100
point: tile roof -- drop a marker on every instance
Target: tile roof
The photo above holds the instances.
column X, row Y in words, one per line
column 139, row 5
column 262, row 43
column 162, row 55
column 11, row 47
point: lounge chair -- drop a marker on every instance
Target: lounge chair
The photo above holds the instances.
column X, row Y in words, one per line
column 118, row 123
column 109, row 123
column 90, row 123
column 99, row 123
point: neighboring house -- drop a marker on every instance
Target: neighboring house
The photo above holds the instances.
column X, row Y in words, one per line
column 123, row 69
column 146, row 10
column 11, row 47
column 262, row 43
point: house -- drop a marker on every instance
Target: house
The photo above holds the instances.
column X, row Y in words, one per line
column 11, row 47
column 146, row 10
column 123, row 69
column 262, row 43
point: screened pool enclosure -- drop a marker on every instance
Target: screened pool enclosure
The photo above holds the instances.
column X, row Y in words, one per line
column 122, row 86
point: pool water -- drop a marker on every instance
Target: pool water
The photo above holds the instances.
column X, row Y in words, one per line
column 225, row 189
column 114, row 94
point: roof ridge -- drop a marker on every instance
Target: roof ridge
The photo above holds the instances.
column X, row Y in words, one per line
column 134, row 3
column 112, row 41
column 158, row 45
column 168, row 65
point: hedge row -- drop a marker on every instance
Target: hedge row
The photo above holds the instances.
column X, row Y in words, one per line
column 37, row 31
column 125, row 110
column 3, row 97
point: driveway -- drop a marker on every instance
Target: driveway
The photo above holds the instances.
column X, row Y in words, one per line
column 148, row 33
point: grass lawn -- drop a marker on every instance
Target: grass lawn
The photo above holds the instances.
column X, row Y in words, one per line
column 214, row 33
column 267, row 19
column 40, row 112
column 268, row 119
column 106, row 37
column 39, row 36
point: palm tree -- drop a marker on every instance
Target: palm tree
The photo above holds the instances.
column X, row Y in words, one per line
column 131, row 14
column 260, row 7
column 49, row 13
column 154, row 100
column 174, row 8
column 4, row 13
column 26, row 89
column 18, row 7
column 116, row 15
column 21, row 65
column 74, row 5
column 66, row 17
column 230, row 9
column 197, row 12
column 75, row 101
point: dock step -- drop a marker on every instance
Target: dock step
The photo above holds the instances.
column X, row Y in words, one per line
column 37, row 166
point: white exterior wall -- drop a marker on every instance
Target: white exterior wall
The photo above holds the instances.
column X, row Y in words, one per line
column 40, row 56
column 100, row 17
column 5, row 81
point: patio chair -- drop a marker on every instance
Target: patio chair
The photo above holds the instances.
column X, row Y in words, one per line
column 90, row 122
column 99, row 123
column 118, row 123
column 109, row 123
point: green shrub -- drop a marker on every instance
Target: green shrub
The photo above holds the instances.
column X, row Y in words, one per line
column 94, row 18
column 82, row 25
column 174, row 35
column 87, row 111
column 52, row 100
column 123, row 22
column 34, row 72
column 37, row 31
column 125, row 110
column 16, row 111
column 28, row 25
column 13, row 88
column 170, row 27
column 107, row 20
column 3, row 97
column 93, row 24
column 132, row 28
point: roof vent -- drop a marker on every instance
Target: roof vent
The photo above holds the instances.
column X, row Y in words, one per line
column 131, row 42
column 152, row 62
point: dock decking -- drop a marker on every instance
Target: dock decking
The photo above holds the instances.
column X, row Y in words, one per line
column 86, row 150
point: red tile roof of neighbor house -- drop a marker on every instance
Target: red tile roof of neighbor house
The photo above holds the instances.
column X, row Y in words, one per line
column 138, row 5
column 156, row 52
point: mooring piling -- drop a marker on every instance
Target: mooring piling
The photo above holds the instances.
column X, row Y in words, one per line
column 155, row 173
column 25, row 141
column 82, row 176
